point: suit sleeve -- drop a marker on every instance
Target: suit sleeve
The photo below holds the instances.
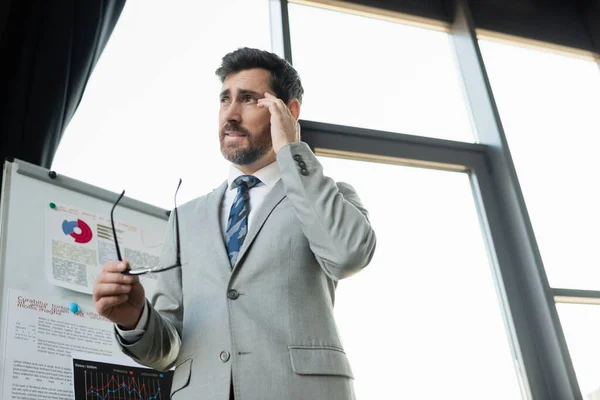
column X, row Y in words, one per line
column 159, row 345
column 331, row 214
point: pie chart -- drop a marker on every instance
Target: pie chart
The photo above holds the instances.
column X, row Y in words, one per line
column 78, row 230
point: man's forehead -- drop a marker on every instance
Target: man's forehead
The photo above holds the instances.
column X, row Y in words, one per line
column 252, row 79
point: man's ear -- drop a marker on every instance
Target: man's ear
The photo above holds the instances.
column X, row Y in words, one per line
column 294, row 106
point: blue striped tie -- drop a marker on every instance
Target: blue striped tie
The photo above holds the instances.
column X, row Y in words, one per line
column 237, row 225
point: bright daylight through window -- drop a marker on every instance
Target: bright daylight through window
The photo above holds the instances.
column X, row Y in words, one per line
column 423, row 321
column 149, row 113
column 408, row 83
column 549, row 106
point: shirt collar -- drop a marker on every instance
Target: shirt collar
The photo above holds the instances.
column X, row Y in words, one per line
column 268, row 175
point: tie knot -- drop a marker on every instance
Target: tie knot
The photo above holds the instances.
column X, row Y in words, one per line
column 245, row 182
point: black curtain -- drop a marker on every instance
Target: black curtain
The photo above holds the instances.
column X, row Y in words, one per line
column 48, row 49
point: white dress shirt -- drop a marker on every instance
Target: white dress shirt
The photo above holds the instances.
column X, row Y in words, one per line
column 268, row 176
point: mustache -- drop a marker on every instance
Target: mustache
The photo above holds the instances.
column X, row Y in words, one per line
column 232, row 126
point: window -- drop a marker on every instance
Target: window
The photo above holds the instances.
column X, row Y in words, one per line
column 375, row 74
column 549, row 107
column 423, row 320
column 150, row 111
column 581, row 325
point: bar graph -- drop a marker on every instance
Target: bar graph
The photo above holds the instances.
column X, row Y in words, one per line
column 102, row 381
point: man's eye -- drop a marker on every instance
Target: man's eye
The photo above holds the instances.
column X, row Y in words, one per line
column 248, row 99
column 224, row 100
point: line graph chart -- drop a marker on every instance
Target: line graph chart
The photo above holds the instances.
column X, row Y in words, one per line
column 101, row 381
column 122, row 387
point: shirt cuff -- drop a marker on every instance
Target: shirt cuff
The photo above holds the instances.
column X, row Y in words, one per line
column 132, row 336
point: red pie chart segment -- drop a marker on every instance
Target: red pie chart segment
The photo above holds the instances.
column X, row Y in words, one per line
column 69, row 229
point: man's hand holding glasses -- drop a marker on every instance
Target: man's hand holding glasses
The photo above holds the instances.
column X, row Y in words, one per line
column 118, row 294
column 119, row 297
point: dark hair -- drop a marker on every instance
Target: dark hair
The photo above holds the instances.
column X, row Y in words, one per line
column 285, row 80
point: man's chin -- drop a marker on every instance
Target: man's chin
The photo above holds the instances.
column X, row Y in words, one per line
column 242, row 156
column 236, row 157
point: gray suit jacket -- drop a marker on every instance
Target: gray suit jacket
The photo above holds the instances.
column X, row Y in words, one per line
column 268, row 323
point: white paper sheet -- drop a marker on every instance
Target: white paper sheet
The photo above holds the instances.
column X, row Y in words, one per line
column 41, row 337
column 79, row 243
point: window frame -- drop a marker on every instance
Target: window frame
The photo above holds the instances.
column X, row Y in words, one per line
column 531, row 319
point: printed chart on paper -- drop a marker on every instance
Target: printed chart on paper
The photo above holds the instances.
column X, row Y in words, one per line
column 80, row 242
column 96, row 380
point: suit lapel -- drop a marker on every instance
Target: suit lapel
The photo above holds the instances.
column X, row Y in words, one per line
column 273, row 198
column 213, row 211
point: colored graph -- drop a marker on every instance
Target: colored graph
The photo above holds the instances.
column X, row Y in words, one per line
column 84, row 233
column 101, row 381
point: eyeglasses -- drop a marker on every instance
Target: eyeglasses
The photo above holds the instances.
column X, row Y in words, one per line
column 148, row 270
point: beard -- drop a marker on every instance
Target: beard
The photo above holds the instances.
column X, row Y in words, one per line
column 258, row 144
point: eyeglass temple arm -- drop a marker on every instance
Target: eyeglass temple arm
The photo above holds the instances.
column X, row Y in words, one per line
column 113, row 225
column 177, row 224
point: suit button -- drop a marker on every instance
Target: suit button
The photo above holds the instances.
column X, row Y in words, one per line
column 297, row 157
column 233, row 294
column 224, row 356
column 301, row 164
column 304, row 171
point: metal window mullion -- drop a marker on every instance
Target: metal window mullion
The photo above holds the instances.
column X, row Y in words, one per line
column 545, row 355
column 576, row 296
column 507, row 286
column 280, row 29
column 402, row 148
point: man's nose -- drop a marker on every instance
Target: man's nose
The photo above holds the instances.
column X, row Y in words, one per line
column 233, row 113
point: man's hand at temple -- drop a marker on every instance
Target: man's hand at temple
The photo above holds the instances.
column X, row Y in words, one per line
column 284, row 125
